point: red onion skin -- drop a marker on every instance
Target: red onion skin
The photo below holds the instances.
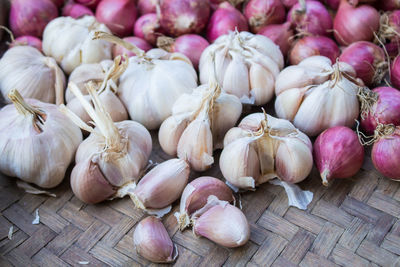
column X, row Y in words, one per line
column 260, row 13
column 388, row 5
column 191, row 45
column 316, row 19
column 338, row 153
column 139, row 42
column 353, row 24
column 226, row 18
column 386, row 155
column 386, row 110
column 394, row 24
column 312, row 46
column 364, row 57
column 395, row 73
column 289, row 3
column 28, row 40
column 75, row 10
column 58, row 3
column 146, row 6
column 280, row 34
column 118, row 15
column 334, row 4
column 31, row 17
column 180, row 17
column 148, row 28
column 393, row 48
column 89, row 3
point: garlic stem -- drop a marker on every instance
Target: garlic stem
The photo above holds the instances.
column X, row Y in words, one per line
column 59, row 84
column 113, row 74
column 9, row 32
column 113, row 39
column 75, row 119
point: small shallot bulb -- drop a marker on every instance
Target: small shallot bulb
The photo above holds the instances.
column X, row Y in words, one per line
column 260, row 13
column 152, row 241
column 395, row 73
column 386, row 151
column 148, row 28
column 280, row 34
column 160, row 187
column 223, row 224
column 119, row 50
column 195, row 196
column 338, row 153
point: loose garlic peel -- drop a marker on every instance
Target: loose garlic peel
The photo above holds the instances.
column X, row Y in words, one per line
column 37, row 141
column 205, row 115
column 153, row 82
column 107, row 91
column 112, row 156
column 35, row 75
column 246, row 65
column 316, row 95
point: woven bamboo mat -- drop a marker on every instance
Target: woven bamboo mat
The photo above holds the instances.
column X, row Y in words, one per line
column 355, row 222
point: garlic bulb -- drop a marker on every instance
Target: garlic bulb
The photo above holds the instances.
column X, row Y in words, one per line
column 37, row 142
column 246, row 65
column 152, row 241
column 107, row 91
column 316, row 95
column 34, row 75
column 263, row 148
column 113, row 155
column 95, row 72
column 153, row 82
column 205, row 115
column 195, row 196
column 222, row 223
column 160, row 187
column 69, row 41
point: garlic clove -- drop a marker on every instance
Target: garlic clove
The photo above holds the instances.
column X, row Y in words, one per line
column 233, row 134
column 162, row 185
column 262, row 84
column 196, row 145
column 236, row 80
column 152, row 241
column 288, row 102
column 196, row 194
column 76, row 107
column 171, row 131
column 292, row 77
column 239, row 163
column 223, row 224
column 113, row 106
column 89, row 184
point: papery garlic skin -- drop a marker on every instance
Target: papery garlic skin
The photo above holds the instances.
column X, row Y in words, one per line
column 315, row 95
column 69, row 41
column 162, row 185
column 34, row 75
column 246, row 65
column 152, row 241
column 223, row 224
column 37, row 155
column 263, row 148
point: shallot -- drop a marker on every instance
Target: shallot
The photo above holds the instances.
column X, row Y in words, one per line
column 75, row 10
column 280, row 34
column 388, row 5
column 146, row 6
column 183, row 16
column 89, row 3
column 395, row 73
column 148, row 28
column 260, row 13
column 352, row 24
column 31, row 17
column 338, row 153
column 118, row 15
column 27, row 40
column 119, row 50
column 313, row 46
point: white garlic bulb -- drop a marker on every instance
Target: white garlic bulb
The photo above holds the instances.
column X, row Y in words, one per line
column 316, row 95
column 69, row 41
column 205, row 115
column 95, row 72
column 113, row 155
column 153, row 82
column 262, row 148
column 246, row 65
column 107, row 91
column 37, row 141
column 34, row 75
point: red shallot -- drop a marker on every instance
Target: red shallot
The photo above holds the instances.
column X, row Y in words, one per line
column 119, row 50
column 260, row 13
column 395, row 73
column 338, row 153
column 180, row 17
column 226, row 18
column 353, row 24
column 310, row 17
column 118, row 15
column 314, row 46
column 31, row 17
column 75, row 10
column 28, row 40
column 384, row 109
column 148, row 28
column 388, row 5
column 367, row 59
column 146, row 6
column 280, row 34
column 89, row 3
